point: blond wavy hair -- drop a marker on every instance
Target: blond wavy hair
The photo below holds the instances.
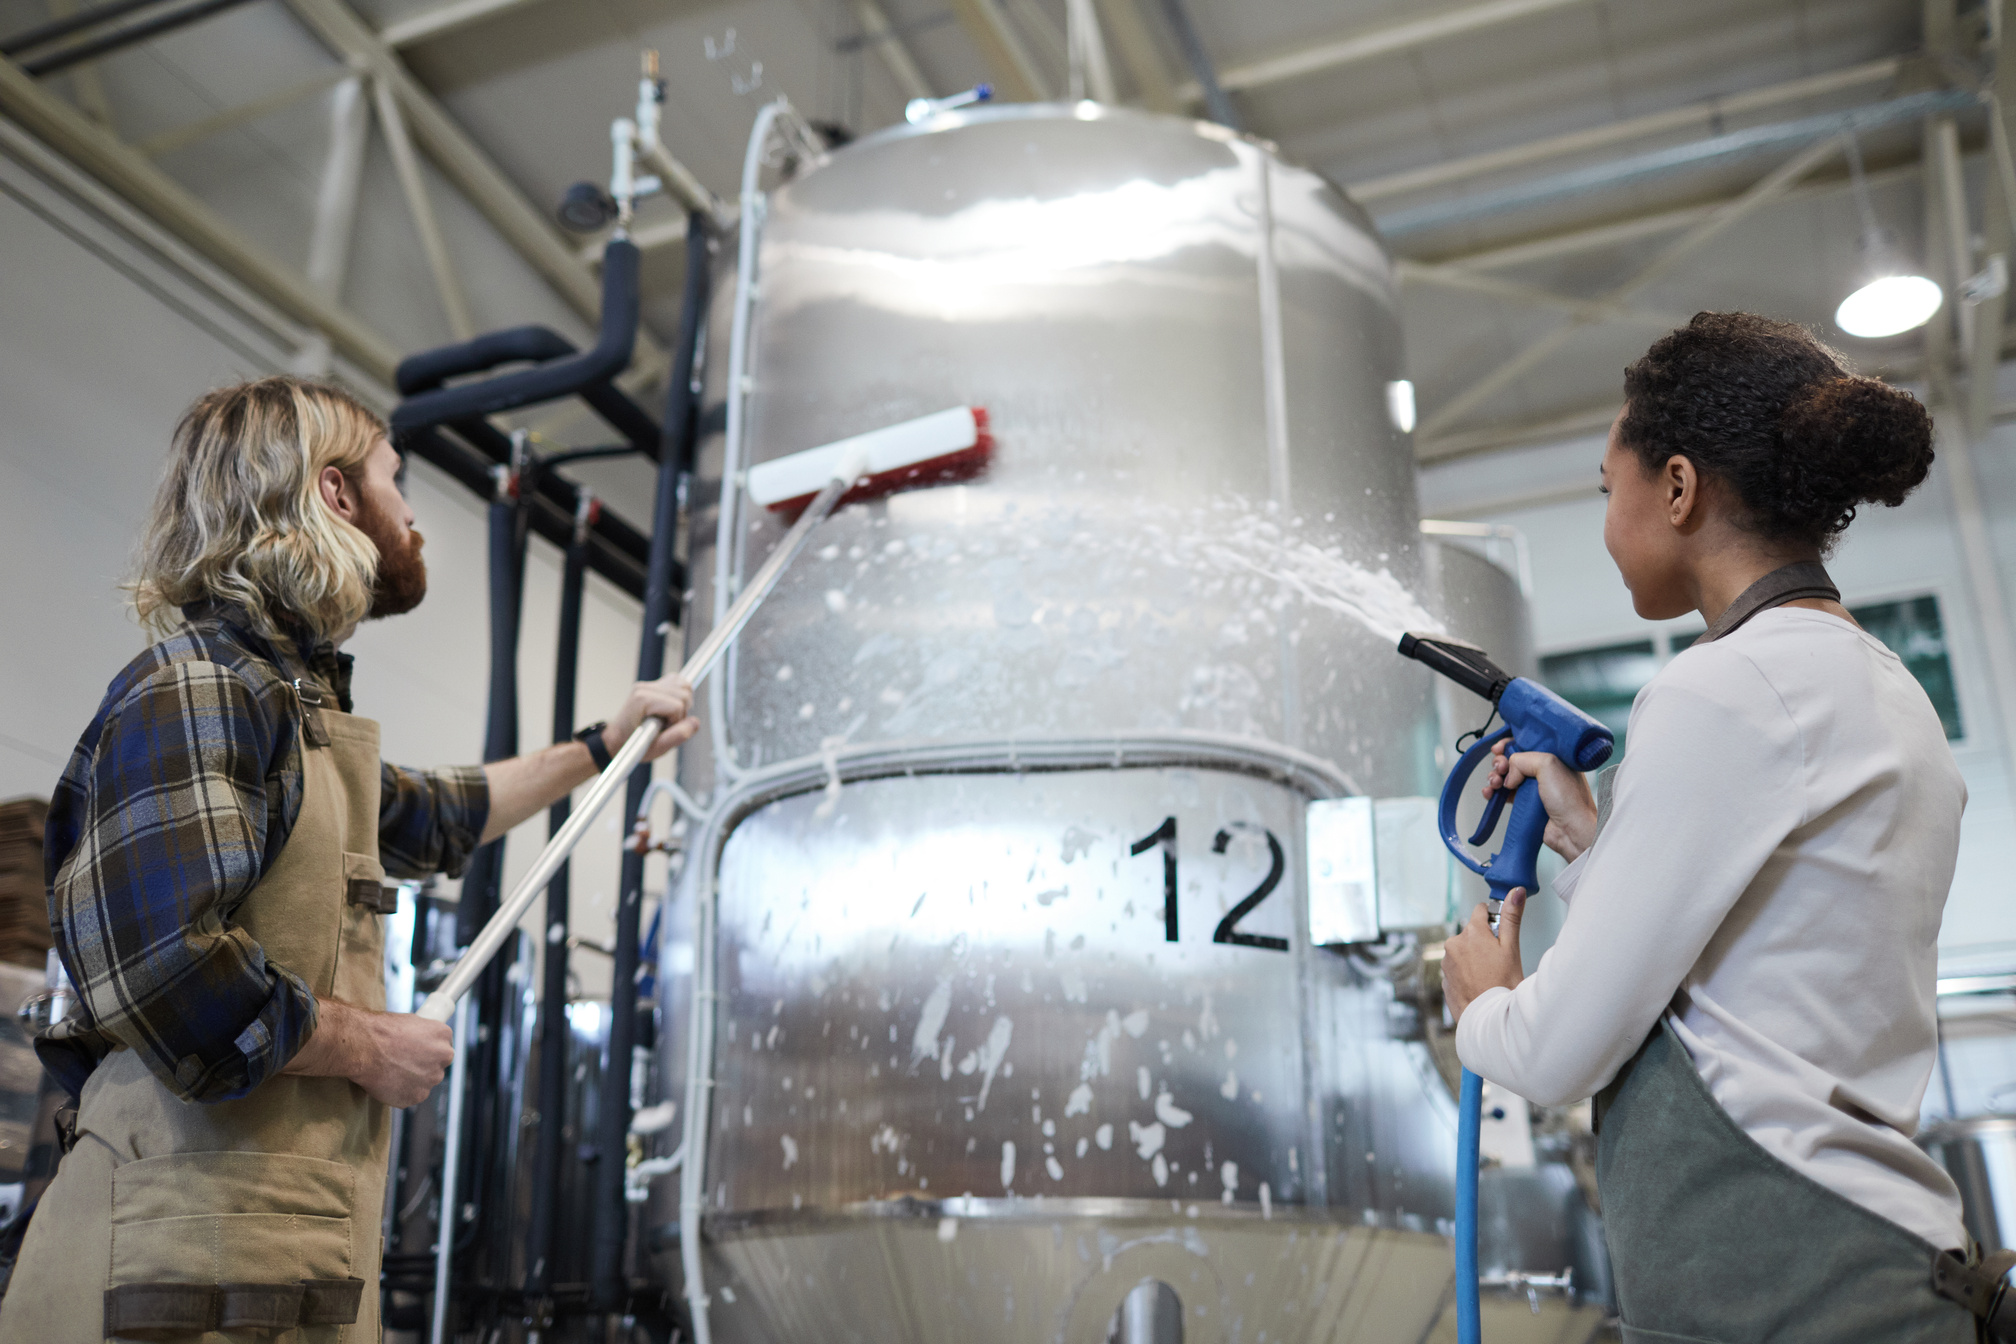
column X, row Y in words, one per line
column 239, row 516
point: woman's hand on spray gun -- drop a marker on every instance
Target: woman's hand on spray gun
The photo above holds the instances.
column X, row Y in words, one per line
column 1571, row 808
column 1477, row 959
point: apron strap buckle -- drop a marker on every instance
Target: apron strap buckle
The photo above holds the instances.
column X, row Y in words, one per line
column 309, row 697
column 1981, row 1288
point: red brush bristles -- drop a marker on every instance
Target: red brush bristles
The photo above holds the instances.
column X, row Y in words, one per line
column 964, row 464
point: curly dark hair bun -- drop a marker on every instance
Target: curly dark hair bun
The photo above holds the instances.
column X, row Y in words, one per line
column 1778, row 417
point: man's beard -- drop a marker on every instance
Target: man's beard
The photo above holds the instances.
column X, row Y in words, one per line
column 402, row 574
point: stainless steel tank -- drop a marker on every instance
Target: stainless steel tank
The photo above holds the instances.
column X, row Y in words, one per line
column 996, row 902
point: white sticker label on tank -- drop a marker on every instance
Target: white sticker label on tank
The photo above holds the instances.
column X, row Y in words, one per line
column 1343, row 885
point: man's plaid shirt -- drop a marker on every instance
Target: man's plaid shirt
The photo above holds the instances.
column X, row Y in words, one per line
column 177, row 798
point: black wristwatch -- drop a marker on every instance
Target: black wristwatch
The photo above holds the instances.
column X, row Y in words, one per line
column 591, row 738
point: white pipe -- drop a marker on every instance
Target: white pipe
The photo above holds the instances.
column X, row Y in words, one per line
column 699, row 1104
column 727, row 520
column 451, row 1162
column 623, row 169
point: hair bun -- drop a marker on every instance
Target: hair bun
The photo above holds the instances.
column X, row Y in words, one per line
column 1849, row 441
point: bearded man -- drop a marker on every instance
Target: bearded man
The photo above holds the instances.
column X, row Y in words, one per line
column 216, row 852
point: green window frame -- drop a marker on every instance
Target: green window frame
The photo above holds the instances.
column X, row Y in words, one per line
column 1605, row 679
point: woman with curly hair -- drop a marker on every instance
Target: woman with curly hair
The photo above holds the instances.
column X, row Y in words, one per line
column 1745, row 979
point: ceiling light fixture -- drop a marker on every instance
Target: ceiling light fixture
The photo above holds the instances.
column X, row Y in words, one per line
column 1892, row 298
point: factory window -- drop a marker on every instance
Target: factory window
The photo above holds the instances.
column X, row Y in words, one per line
column 1914, row 632
column 1602, row 682
column 1912, row 629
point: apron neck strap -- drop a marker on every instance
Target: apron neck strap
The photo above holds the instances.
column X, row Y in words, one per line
column 1801, row 579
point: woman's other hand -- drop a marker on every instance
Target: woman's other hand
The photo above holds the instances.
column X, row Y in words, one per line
column 1571, row 808
column 1475, row 959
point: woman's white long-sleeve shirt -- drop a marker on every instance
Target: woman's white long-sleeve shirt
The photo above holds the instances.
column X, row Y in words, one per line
column 1773, row 869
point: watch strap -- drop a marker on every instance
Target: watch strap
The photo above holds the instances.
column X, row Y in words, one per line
column 591, row 738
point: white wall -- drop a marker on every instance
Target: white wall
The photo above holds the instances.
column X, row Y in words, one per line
column 1550, row 494
column 102, row 346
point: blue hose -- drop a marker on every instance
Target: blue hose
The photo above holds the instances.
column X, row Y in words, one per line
column 1469, row 1118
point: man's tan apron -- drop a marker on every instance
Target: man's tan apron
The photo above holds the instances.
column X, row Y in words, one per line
column 255, row 1219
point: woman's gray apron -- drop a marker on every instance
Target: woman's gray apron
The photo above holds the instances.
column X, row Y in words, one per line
column 1711, row 1237
column 254, row 1219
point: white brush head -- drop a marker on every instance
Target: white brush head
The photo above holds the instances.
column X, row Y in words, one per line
column 898, row 454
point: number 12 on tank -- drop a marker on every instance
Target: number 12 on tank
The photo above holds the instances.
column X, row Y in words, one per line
column 1163, row 838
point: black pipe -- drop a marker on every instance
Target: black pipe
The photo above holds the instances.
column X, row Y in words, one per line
column 661, row 603
column 427, row 370
column 586, row 374
column 72, row 23
column 542, row 1231
column 1215, row 100
column 122, row 38
column 481, row 886
column 617, row 550
column 500, row 732
column 550, row 490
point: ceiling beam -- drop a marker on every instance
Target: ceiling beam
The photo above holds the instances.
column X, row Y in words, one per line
column 1002, row 52
column 1478, row 282
column 1709, row 113
column 169, row 141
column 889, row 45
column 1366, row 44
column 1492, row 438
column 132, row 175
column 1635, row 228
column 1769, row 189
column 523, row 225
column 420, row 205
column 338, row 195
column 1138, row 52
column 1638, row 167
column 1593, row 419
column 442, row 20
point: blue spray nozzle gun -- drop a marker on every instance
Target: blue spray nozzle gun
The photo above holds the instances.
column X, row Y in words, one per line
column 1536, row 719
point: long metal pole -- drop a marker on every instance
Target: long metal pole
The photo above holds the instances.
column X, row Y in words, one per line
column 451, row 1163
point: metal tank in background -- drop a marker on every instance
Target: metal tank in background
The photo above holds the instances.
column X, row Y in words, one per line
column 991, row 993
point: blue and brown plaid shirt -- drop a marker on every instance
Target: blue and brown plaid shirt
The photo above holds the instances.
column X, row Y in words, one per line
column 177, row 798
